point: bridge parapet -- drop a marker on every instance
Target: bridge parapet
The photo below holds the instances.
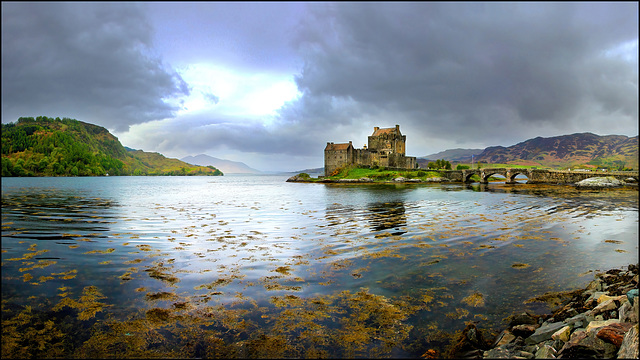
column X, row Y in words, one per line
column 536, row 176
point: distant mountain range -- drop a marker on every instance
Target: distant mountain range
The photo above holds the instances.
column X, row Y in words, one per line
column 587, row 149
column 226, row 166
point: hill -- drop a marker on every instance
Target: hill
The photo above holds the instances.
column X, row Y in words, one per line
column 226, row 166
column 582, row 149
column 67, row 147
column 457, row 155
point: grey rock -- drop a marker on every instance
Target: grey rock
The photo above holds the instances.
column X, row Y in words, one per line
column 592, row 300
column 599, row 182
column 584, row 345
column 523, row 330
column 504, row 338
column 544, row 332
column 604, row 306
column 573, row 321
column 629, row 347
column 501, row 353
column 546, row 352
column 631, row 295
column 524, row 354
column 623, row 312
column 558, row 344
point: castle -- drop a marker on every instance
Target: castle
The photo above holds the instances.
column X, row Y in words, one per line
column 386, row 148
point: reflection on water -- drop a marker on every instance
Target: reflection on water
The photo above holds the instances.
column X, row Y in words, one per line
column 255, row 265
column 389, row 215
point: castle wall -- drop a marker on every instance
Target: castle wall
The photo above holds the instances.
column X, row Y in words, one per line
column 386, row 149
column 334, row 159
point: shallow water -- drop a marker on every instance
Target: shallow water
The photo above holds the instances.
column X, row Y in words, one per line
column 441, row 254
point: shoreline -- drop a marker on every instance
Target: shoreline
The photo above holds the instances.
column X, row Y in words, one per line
column 442, row 180
column 599, row 321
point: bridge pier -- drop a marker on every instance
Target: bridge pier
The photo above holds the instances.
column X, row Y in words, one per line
column 535, row 176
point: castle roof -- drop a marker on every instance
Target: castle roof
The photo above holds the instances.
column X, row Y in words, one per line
column 377, row 131
column 332, row 146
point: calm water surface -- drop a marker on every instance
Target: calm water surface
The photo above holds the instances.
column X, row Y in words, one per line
column 436, row 255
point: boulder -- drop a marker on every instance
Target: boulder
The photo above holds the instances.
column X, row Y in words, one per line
column 586, row 345
column 576, row 321
column 594, row 325
column 592, row 300
column 562, row 334
column 524, row 330
column 499, row 353
column 628, row 312
column 607, row 305
column 614, row 333
column 504, row 338
column 599, row 183
column 400, row 179
column 629, row 346
column 524, row 318
column 469, row 341
column 544, row 332
column 632, row 295
column 546, row 352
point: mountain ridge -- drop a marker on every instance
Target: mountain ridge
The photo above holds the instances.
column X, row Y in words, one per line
column 226, row 166
column 586, row 149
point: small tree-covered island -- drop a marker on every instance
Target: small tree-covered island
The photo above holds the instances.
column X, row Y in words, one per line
column 45, row 146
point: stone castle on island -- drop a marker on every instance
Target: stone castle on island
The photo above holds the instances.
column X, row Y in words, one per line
column 386, row 148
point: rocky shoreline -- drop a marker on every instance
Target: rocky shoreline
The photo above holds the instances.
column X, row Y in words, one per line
column 600, row 321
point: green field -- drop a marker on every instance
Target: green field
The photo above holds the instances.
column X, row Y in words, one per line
column 379, row 174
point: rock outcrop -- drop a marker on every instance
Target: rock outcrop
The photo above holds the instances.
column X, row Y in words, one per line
column 600, row 321
column 600, row 183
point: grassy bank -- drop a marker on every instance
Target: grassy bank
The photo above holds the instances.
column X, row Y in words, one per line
column 375, row 174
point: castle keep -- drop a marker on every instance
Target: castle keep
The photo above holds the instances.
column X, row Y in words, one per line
column 386, row 147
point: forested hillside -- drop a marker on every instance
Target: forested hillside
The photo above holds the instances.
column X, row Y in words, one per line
column 66, row 147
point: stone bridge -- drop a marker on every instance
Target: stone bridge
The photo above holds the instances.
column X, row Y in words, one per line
column 535, row 176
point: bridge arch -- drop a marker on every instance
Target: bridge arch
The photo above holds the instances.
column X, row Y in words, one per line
column 467, row 176
column 487, row 172
column 512, row 173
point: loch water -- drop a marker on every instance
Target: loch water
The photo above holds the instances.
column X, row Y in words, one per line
column 424, row 258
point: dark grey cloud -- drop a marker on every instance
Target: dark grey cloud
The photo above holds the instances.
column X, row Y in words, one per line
column 496, row 71
column 450, row 74
column 90, row 61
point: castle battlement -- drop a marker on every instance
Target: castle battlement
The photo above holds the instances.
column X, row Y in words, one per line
column 386, row 147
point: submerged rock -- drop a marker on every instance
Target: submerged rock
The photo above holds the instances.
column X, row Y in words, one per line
column 600, row 182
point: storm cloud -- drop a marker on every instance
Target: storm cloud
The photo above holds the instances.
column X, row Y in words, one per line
column 90, row 61
column 216, row 78
column 475, row 69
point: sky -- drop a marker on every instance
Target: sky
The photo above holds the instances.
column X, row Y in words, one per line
column 269, row 84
